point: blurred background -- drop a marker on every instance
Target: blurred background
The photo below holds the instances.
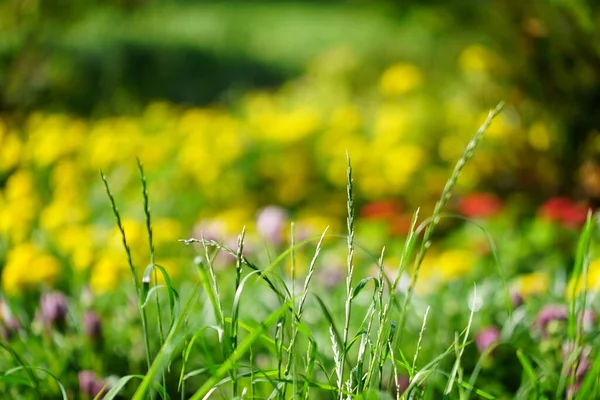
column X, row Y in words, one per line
column 236, row 106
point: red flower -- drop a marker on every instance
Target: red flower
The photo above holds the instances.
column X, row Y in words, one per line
column 575, row 216
column 381, row 210
column 400, row 225
column 554, row 208
column 390, row 212
column 480, row 205
column 564, row 211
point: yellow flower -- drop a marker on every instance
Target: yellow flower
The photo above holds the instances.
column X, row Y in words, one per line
column 476, row 58
column 287, row 125
column 447, row 266
column 196, row 121
column 346, row 118
column 60, row 213
column 539, row 136
column 10, row 151
column 234, row 219
column 301, row 264
column 19, row 206
column 135, row 233
column 78, row 242
column 312, row 224
column 455, row 263
column 107, row 274
column 66, row 180
column 53, row 136
column 46, row 269
column 399, row 163
column 108, row 135
column 532, row 284
column 400, row 78
column 172, row 268
column 27, row 268
column 20, row 185
column 82, row 257
column 390, row 124
column 451, row 148
column 166, row 230
column 501, row 127
column 592, row 280
column 429, row 278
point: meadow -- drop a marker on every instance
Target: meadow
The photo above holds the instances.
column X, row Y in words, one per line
column 291, row 306
column 354, row 216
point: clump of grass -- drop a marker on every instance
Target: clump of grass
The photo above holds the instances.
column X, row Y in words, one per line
column 377, row 338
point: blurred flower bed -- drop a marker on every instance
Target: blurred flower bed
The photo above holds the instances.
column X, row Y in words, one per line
column 213, row 168
column 272, row 157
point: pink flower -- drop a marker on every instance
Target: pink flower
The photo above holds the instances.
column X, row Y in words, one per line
column 486, row 337
column 572, row 390
column 10, row 326
column 54, row 308
column 90, row 384
column 516, row 299
column 92, row 326
column 584, row 365
column 549, row 313
column 271, row 222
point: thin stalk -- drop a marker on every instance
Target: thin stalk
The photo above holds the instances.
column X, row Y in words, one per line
column 251, row 373
column 310, row 363
column 161, row 335
column 383, row 320
column 234, row 327
column 350, row 273
column 298, row 317
column 455, row 369
column 435, row 218
column 376, row 305
column 420, row 341
column 184, row 359
column 292, row 347
column 132, row 270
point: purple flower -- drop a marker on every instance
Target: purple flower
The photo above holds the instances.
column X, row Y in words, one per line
column 560, row 312
column 92, row 326
column 516, row 299
column 398, row 386
column 401, row 385
column 270, row 223
column 588, row 320
column 486, row 337
column 210, row 229
column 549, row 313
column 330, row 277
column 583, row 366
column 54, row 308
column 572, row 390
column 90, row 384
column 10, row 326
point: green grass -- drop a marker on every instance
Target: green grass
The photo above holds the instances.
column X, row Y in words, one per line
column 253, row 332
column 363, row 359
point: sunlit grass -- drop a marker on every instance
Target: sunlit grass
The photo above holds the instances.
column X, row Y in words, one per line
column 238, row 328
